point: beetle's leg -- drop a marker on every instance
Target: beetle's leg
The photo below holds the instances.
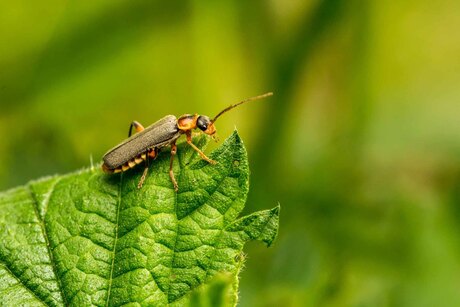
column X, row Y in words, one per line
column 153, row 152
column 150, row 154
column 146, row 169
column 171, row 173
column 202, row 155
column 142, row 180
column 136, row 126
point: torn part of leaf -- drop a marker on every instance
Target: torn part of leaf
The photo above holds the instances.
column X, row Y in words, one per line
column 88, row 239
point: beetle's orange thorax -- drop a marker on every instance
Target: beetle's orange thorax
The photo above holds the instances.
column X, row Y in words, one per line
column 187, row 122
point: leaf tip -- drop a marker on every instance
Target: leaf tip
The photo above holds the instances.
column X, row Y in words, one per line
column 274, row 225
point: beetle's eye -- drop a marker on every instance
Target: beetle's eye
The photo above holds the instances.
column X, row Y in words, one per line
column 203, row 122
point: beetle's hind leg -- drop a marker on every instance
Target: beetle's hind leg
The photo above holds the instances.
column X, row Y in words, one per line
column 136, row 125
column 150, row 154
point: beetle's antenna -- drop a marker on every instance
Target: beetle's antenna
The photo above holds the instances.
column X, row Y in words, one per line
column 241, row 102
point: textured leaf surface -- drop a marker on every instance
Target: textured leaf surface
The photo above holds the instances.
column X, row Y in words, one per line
column 92, row 239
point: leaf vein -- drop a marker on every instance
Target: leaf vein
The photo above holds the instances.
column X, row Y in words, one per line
column 5, row 266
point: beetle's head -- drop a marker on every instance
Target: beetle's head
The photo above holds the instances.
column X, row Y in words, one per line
column 206, row 125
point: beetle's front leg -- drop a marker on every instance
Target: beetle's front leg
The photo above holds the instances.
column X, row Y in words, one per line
column 202, row 155
column 171, row 173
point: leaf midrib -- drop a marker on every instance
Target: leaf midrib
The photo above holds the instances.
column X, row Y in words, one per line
column 112, row 266
column 41, row 222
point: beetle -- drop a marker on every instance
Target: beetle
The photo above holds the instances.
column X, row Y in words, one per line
column 147, row 142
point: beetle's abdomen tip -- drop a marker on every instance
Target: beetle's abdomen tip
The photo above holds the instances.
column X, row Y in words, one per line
column 106, row 169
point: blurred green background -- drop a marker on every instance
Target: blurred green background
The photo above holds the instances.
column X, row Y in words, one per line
column 360, row 144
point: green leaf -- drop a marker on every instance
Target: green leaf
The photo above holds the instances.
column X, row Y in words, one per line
column 89, row 238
